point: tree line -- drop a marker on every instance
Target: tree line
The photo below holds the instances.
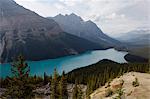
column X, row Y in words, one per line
column 21, row 85
column 96, row 75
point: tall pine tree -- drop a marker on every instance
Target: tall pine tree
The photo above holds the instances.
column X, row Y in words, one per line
column 54, row 86
column 19, row 86
column 77, row 92
column 45, row 79
column 63, row 87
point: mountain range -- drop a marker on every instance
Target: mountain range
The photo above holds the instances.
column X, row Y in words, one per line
column 24, row 32
column 75, row 25
column 136, row 37
column 138, row 42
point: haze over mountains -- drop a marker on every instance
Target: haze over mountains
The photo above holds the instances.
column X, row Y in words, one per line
column 25, row 32
column 33, row 50
column 75, row 25
column 136, row 37
column 138, row 42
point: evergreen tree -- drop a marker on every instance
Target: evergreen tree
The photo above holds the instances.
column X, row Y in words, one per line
column 54, row 86
column 19, row 86
column 77, row 92
column 88, row 90
column 98, row 74
column 45, row 78
column 80, row 93
column 63, row 87
column 20, row 68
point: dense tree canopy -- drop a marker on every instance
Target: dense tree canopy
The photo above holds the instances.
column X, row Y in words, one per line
column 98, row 74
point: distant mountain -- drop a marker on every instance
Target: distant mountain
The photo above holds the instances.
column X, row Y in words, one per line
column 138, row 42
column 25, row 32
column 136, row 37
column 75, row 25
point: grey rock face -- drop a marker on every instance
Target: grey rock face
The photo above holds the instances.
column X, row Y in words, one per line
column 25, row 32
column 75, row 25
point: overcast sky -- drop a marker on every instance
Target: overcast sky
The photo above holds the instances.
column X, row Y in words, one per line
column 112, row 16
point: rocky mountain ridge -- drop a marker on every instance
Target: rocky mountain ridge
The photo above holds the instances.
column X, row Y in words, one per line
column 24, row 32
column 75, row 25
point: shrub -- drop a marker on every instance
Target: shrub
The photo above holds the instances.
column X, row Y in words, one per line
column 135, row 83
column 120, row 93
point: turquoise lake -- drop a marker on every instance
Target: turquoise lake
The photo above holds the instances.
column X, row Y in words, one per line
column 67, row 63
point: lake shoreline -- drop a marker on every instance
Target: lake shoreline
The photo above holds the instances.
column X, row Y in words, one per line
column 102, row 49
column 133, row 58
column 68, row 63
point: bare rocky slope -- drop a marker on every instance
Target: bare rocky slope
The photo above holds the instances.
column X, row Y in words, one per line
column 75, row 25
column 125, row 82
column 44, row 92
column 109, row 91
column 25, row 32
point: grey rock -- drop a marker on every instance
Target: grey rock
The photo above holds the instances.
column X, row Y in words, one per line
column 75, row 25
column 24, row 32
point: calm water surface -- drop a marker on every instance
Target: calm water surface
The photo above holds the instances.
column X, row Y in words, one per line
column 67, row 63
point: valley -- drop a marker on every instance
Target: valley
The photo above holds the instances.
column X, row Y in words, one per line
column 67, row 63
column 62, row 49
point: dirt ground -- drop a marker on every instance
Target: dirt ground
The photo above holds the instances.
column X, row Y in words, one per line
column 130, row 92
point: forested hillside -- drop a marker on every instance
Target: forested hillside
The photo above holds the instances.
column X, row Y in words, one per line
column 89, row 78
column 98, row 74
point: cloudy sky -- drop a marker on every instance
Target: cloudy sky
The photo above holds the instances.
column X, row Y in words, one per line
column 112, row 16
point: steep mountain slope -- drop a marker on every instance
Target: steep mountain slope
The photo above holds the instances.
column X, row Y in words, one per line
column 25, row 32
column 75, row 25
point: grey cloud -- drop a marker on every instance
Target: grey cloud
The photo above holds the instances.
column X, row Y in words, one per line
column 112, row 16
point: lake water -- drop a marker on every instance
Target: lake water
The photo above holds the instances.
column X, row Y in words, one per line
column 68, row 63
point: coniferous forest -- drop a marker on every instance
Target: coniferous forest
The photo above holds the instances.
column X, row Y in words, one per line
column 74, row 49
column 96, row 75
column 21, row 85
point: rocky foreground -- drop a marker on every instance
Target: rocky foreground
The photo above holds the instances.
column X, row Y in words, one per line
column 125, row 82
column 141, row 89
column 44, row 92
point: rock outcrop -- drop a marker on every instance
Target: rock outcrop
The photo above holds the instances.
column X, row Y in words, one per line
column 125, row 83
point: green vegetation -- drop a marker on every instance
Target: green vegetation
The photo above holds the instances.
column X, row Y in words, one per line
column 140, row 51
column 21, row 85
column 96, row 75
column 55, row 86
column 77, row 92
column 46, row 80
column 120, row 93
column 135, row 83
column 58, row 86
column 63, row 87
